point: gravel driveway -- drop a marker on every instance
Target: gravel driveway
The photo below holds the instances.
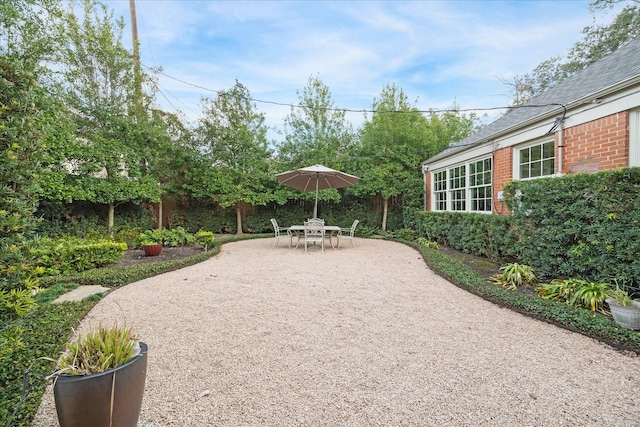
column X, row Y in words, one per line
column 364, row 336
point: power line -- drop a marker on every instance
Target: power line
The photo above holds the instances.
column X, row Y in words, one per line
column 350, row 110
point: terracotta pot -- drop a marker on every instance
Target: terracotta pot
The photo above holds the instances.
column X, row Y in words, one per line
column 85, row 400
column 153, row 250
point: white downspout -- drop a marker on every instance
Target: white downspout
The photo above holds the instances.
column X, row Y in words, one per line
column 560, row 147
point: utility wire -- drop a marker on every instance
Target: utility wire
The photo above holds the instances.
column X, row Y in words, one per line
column 349, row 110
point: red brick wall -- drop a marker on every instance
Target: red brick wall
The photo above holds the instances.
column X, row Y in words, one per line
column 428, row 190
column 502, row 168
column 599, row 145
column 590, row 147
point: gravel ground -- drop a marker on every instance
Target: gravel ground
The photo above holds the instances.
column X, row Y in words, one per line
column 364, row 336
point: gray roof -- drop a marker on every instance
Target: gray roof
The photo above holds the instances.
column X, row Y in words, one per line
column 614, row 69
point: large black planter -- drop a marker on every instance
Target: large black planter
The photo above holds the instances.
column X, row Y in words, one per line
column 85, row 400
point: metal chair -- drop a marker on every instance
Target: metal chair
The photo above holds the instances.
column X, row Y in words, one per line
column 314, row 233
column 279, row 230
column 350, row 233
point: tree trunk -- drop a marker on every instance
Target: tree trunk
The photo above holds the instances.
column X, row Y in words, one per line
column 385, row 212
column 111, row 220
column 160, row 214
column 239, row 219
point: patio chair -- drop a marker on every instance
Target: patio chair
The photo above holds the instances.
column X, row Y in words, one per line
column 279, row 230
column 348, row 233
column 313, row 233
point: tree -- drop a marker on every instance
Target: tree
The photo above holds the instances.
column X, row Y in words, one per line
column 394, row 143
column 114, row 135
column 233, row 166
column 598, row 41
column 316, row 132
column 29, row 121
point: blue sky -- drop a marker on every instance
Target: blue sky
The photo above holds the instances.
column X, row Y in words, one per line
column 438, row 52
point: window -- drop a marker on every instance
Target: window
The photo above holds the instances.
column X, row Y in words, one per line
column 440, row 190
column 465, row 187
column 457, row 180
column 537, row 160
column 480, row 185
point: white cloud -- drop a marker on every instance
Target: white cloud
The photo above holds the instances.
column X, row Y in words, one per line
column 438, row 51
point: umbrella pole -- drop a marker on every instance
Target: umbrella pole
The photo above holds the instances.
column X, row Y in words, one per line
column 315, row 207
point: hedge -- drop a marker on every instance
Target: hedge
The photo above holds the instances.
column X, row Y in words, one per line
column 584, row 226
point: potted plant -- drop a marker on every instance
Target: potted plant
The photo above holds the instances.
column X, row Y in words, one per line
column 151, row 242
column 624, row 309
column 99, row 379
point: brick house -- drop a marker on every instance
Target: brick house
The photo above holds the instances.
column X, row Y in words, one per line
column 587, row 123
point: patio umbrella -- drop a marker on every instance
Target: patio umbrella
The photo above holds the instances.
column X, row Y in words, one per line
column 316, row 177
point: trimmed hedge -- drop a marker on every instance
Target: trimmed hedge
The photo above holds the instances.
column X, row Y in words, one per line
column 116, row 277
column 584, row 226
column 491, row 236
column 73, row 255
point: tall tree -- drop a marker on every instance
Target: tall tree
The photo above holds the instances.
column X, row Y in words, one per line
column 394, row 143
column 316, row 132
column 598, row 41
column 111, row 166
column 233, row 168
column 30, row 121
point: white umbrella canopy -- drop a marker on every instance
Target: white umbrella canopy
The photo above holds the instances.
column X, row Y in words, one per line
column 316, row 177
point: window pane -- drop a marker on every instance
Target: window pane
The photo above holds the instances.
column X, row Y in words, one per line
column 548, row 149
column 548, row 167
column 524, row 156
column 487, row 178
column 524, row 171
column 536, row 169
column 536, row 153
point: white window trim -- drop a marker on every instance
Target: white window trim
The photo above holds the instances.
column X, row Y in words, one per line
column 467, row 189
column 515, row 173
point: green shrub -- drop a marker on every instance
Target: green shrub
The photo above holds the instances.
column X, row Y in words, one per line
column 580, row 225
column 405, row 234
column 128, row 236
column 576, row 292
column 514, row 275
column 205, row 238
column 491, row 236
column 177, row 236
column 73, row 255
column 620, row 296
column 427, row 243
column 560, row 289
column 149, row 238
column 97, row 351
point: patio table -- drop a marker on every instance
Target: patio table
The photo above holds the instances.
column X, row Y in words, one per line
column 329, row 229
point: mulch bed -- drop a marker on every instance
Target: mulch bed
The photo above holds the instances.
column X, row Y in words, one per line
column 137, row 256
